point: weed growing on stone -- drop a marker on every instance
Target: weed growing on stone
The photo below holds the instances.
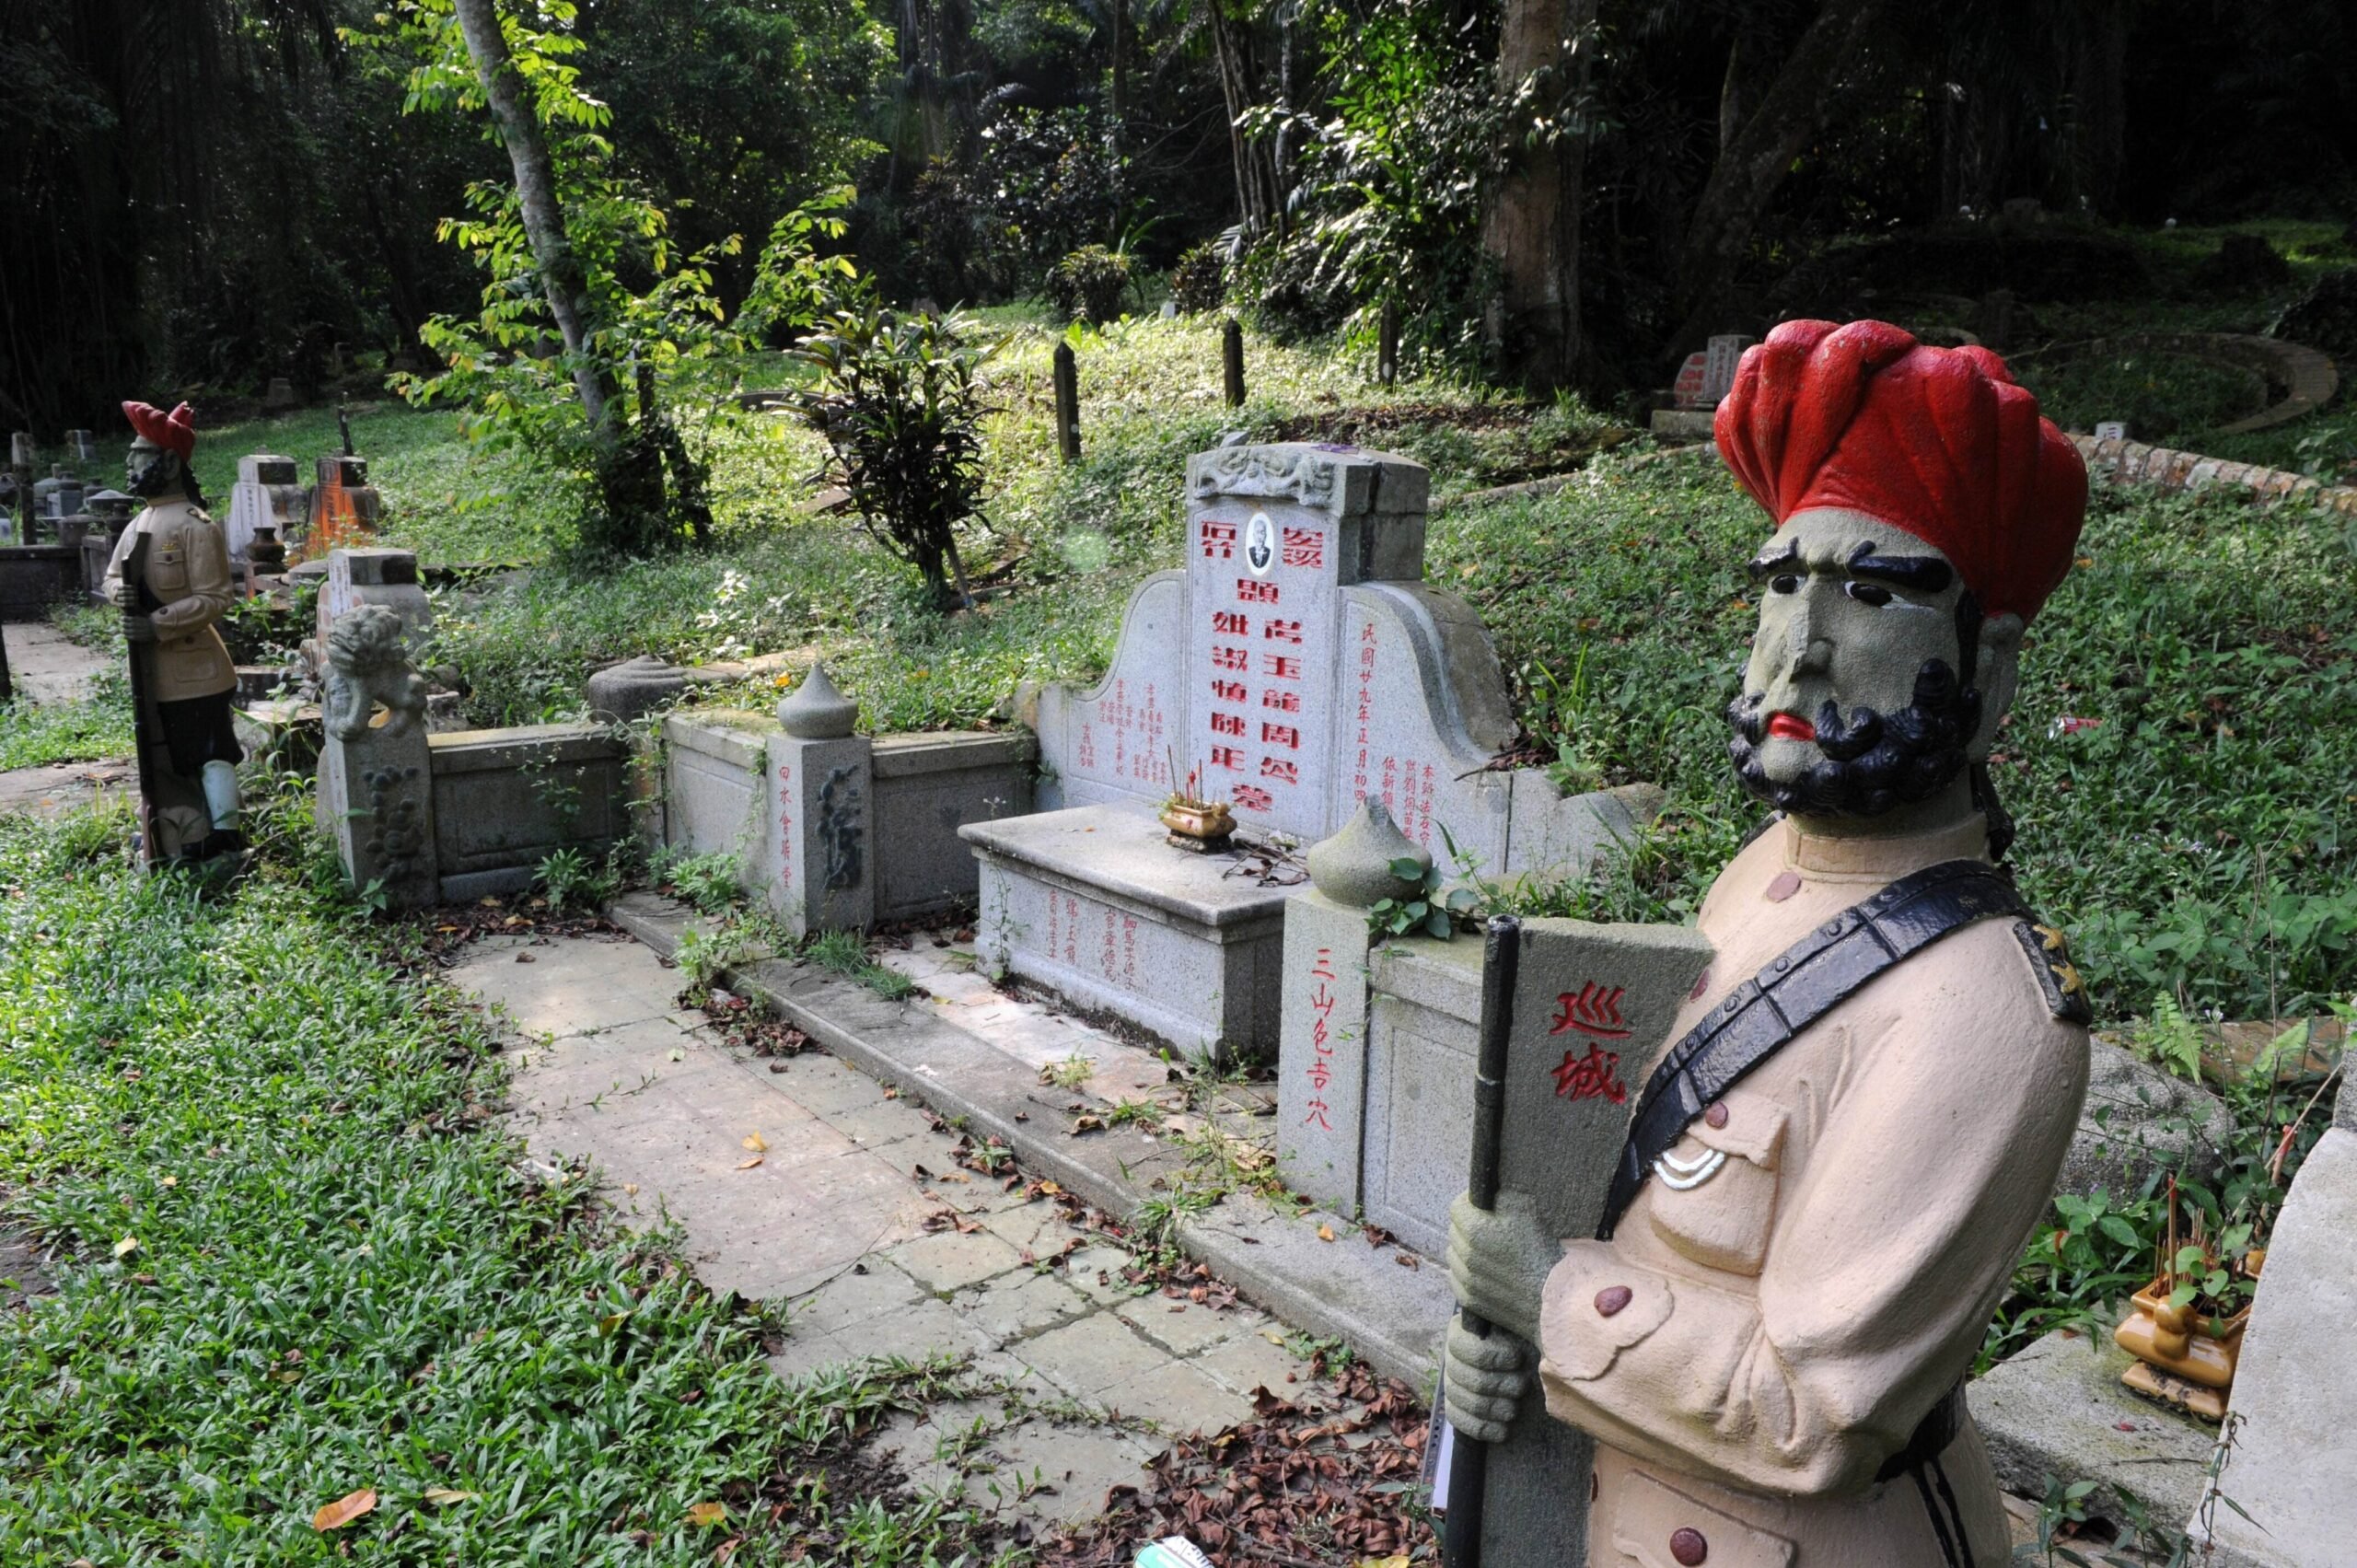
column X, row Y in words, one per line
column 845, row 953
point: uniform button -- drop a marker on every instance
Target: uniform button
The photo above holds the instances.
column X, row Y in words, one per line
column 1611, row 1300
column 1786, row 884
column 1689, row 1546
column 1717, row 1115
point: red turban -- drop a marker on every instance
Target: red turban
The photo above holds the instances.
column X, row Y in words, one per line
column 175, row 432
column 1939, row 442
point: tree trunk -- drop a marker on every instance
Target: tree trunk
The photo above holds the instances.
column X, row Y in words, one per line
column 563, row 279
column 1260, row 203
column 1754, row 163
column 1532, row 228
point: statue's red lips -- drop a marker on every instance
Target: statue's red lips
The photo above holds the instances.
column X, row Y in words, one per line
column 1791, row 727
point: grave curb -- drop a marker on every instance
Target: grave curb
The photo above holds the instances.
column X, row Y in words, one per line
column 1276, row 1262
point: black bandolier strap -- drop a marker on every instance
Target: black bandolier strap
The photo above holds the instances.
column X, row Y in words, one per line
column 1810, row 978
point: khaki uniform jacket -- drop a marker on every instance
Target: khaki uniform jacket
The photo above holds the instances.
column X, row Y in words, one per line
column 188, row 571
column 1843, row 1234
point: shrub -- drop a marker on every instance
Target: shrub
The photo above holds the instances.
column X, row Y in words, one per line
column 898, row 400
column 1199, row 278
column 1087, row 285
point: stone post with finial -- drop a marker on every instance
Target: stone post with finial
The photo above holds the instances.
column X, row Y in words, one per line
column 1322, row 1040
column 820, row 793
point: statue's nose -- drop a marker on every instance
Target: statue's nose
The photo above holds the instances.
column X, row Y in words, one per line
column 1816, row 656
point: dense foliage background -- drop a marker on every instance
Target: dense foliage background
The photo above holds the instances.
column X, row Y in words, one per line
column 206, row 194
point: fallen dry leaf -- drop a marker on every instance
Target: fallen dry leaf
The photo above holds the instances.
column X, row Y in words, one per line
column 1325, row 1233
column 707, row 1513
column 442, row 1495
column 169, row 1181
column 126, row 1247
column 754, row 1141
column 747, row 1164
column 630, row 1188
column 344, row 1509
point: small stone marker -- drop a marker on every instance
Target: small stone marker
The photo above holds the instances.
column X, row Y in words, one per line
column 2111, row 430
column 820, row 772
column 376, row 776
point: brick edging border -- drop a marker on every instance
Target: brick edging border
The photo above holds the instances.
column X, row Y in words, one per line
column 2132, row 462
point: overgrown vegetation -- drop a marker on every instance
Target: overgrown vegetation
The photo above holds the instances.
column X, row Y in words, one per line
column 295, row 1260
column 33, row 734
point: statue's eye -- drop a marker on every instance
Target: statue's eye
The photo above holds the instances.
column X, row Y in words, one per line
column 1867, row 593
column 1784, row 583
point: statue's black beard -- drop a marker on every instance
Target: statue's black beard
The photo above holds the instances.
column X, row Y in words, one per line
column 1873, row 762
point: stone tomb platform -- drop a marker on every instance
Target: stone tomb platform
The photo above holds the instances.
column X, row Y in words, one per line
column 1093, row 903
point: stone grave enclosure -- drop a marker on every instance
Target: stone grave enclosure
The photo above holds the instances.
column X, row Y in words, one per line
column 1297, row 664
column 442, row 817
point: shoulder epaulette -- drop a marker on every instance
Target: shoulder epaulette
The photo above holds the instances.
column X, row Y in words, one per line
column 2066, row 993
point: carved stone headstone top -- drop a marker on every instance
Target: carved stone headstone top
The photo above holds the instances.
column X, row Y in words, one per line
column 816, row 710
column 634, row 688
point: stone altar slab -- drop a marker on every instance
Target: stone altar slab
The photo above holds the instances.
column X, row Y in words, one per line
column 1091, row 903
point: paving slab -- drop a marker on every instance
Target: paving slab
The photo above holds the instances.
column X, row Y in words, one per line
column 49, row 667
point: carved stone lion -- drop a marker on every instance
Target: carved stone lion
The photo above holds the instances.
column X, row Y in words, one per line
column 369, row 665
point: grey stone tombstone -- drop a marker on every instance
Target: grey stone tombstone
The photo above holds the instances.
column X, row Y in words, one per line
column 1720, row 357
column 821, row 799
column 1322, row 1044
column 269, row 494
column 376, row 776
column 2295, row 1444
column 1593, row 1006
column 383, row 578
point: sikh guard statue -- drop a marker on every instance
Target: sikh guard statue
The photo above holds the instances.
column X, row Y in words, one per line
column 1833, row 1167
column 170, row 574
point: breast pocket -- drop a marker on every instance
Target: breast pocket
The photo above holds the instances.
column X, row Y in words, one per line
column 1713, row 1193
column 1654, row 1526
column 168, row 572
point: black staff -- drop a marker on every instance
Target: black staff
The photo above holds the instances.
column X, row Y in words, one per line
column 145, row 727
column 1469, row 1471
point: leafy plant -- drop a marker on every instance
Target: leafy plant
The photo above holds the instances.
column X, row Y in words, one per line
column 1069, row 1073
column 1199, row 278
column 1427, row 911
column 1087, row 284
column 573, row 881
column 2168, row 1037
column 898, row 401
column 708, row 882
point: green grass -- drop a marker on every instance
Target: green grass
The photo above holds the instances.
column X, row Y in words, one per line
column 297, row 1259
column 34, row 734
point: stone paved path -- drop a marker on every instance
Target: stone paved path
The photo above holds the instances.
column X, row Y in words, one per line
column 857, row 1218
column 46, row 666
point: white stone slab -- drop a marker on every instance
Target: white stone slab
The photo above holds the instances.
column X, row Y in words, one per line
column 1322, row 1050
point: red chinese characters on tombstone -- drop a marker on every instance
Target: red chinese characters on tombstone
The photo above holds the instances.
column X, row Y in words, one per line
column 1277, row 665
column 1283, row 734
column 1303, row 547
column 1281, row 630
column 1228, row 757
column 1282, row 701
column 1592, row 1010
column 1227, row 723
column 1232, row 658
column 1219, row 541
column 1252, row 798
column 1249, row 592
column 1230, row 690
column 1321, row 1064
column 1231, row 624
column 1593, row 1076
column 1281, row 771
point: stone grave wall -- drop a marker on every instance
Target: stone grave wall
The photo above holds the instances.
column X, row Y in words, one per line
column 723, row 792
column 1298, row 664
column 507, row 800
